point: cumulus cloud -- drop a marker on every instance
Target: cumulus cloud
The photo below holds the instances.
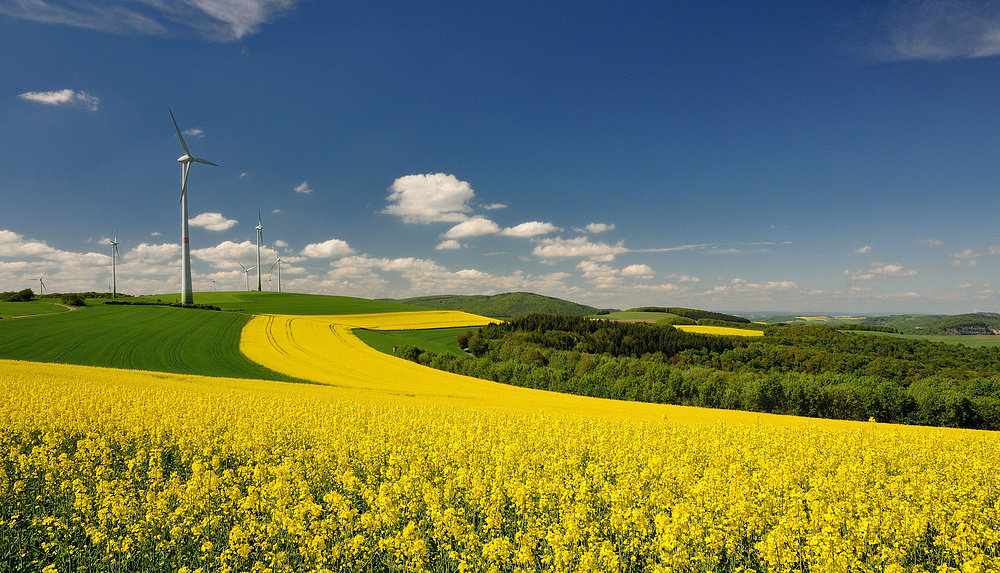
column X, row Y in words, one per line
column 578, row 247
column 599, row 227
column 473, row 227
column 62, row 97
column 153, row 254
column 450, row 244
column 430, row 198
column 227, row 253
column 939, row 30
column 879, row 270
column 215, row 20
column 213, row 222
column 530, row 229
column 332, row 249
column 303, row 188
column 863, row 250
column 638, row 271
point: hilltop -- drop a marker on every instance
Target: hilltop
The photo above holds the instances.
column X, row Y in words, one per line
column 507, row 305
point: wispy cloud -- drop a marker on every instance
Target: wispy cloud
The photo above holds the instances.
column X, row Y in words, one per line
column 880, row 270
column 62, row 97
column 215, row 20
column 939, row 30
column 863, row 250
column 303, row 188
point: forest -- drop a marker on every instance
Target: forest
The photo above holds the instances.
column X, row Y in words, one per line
column 809, row 370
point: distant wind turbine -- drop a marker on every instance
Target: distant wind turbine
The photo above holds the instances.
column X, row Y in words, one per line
column 114, row 255
column 277, row 263
column 41, row 286
column 187, row 292
column 246, row 273
column 260, row 237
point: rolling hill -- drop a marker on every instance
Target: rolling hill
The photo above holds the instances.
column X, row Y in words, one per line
column 507, row 305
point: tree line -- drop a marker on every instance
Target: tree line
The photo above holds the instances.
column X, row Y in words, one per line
column 801, row 370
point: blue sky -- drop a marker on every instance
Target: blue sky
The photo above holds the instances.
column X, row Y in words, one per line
column 791, row 156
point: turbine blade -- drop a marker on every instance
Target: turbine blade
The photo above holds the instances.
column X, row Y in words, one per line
column 204, row 161
column 241, row 264
column 179, row 136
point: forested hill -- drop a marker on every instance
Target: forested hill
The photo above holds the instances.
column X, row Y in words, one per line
column 971, row 323
column 507, row 305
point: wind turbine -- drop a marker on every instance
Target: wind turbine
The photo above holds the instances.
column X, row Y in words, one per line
column 114, row 255
column 41, row 286
column 260, row 237
column 246, row 273
column 187, row 292
column 277, row 262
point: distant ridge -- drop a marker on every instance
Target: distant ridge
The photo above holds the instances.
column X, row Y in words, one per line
column 507, row 305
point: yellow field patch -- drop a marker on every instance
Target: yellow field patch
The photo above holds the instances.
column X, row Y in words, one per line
column 723, row 330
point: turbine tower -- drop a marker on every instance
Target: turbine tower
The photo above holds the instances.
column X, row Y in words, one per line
column 187, row 293
column 246, row 274
column 114, row 255
column 260, row 237
column 41, row 286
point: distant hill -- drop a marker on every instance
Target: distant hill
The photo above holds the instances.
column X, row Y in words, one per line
column 507, row 305
column 977, row 323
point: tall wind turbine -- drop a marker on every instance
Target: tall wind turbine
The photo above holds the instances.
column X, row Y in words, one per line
column 114, row 255
column 260, row 237
column 246, row 274
column 187, row 293
column 41, row 286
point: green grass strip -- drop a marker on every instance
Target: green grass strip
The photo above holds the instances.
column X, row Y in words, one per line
column 179, row 340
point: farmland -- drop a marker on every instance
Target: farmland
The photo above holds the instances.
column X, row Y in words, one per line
column 386, row 465
column 135, row 337
column 10, row 309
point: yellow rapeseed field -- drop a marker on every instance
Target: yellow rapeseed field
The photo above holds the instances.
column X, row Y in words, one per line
column 110, row 470
column 724, row 330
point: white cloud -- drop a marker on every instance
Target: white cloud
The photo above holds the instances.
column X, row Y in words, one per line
column 939, row 30
column 530, row 229
column 303, row 188
column 930, row 242
column 450, row 244
column 474, row 227
column 863, row 250
column 430, row 198
column 334, row 248
column 62, row 97
column 639, row 271
column 153, row 254
column 216, row 20
column 879, row 270
column 227, row 253
column 494, row 206
column 213, row 222
column 578, row 247
column 599, row 227
column 967, row 257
